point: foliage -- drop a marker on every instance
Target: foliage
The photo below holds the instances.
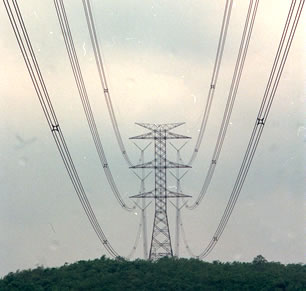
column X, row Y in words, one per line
column 164, row 274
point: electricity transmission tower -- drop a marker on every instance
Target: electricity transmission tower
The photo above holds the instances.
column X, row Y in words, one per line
column 177, row 205
column 144, row 206
column 160, row 133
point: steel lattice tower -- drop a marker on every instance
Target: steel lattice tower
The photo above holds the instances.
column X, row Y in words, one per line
column 160, row 133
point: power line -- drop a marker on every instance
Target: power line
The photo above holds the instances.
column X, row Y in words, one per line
column 138, row 235
column 47, row 107
column 66, row 32
column 103, row 81
column 29, row 57
column 213, row 83
column 267, row 100
column 214, row 78
column 52, row 121
column 190, row 252
column 232, row 94
column 244, row 44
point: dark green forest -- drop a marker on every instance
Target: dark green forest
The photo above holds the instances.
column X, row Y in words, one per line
column 164, row 274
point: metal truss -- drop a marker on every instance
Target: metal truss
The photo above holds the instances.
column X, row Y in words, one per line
column 160, row 133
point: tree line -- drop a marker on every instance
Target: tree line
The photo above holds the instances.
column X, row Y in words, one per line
column 164, row 274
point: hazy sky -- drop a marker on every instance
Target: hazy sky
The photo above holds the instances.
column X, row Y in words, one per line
column 159, row 57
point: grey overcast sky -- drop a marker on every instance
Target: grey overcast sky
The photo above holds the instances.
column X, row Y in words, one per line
column 159, row 57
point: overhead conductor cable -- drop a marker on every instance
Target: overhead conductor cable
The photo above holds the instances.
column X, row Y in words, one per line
column 214, row 78
column 267, row 100
column 103, row 81
column 212, row 86
column 64, row 24
column 243, row 49
column 28, row 54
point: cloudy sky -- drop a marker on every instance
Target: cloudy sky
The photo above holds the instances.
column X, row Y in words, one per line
column 159, row 58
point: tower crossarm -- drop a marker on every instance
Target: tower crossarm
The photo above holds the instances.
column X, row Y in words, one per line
column 149, row 135
column 172, row 135
column 167, row 135
column 153, row 165
column 168, row 194
column 154, row 126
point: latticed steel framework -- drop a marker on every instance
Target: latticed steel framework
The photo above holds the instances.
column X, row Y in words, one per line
column 160, row 133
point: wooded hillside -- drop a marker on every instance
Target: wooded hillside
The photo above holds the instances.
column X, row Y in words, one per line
column 165, row 274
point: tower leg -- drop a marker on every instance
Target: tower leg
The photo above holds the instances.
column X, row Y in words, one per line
column 161, row 240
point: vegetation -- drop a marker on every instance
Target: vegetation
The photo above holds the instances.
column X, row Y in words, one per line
column 164, row 274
